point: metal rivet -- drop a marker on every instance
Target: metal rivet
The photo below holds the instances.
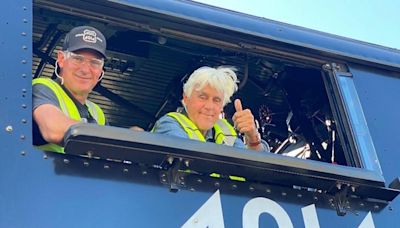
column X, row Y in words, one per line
column 23, row 153
column 338, row 186
column 23, row 61
column 376, row 207
column 251, row 188
column 86, row 163
column 25, row 20
column 182, row 182
column 89, row 154
column 284, row 193
column 199, row 181
column 162, row 40
column 45, row 156
column 390, row 208
column 125, row 170
column 23, row 33
column 22, row 137
column 192, row 189
column 326, row 66
column 195, row 220
column 23, row 105
column 217, row 184
column 234, row 186
column 24, row 75
column 24, row 121
column 106, row 166
column 182, row 177
column 144, row 172
column 299, row 195
column 362, row 204
column 24, row 91
column 9, row 128
column 163, row 180
column 268, row 190
column 24, row 47
column 66, row 161
column 24, row 8
column 315, row 198
column 187, row 163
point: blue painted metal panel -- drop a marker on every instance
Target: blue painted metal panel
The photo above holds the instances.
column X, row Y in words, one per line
column 15, row 102
column 34, row 193
column 265, row 28
column 379, row 95
column 15, row 70
column 378, row 91
column 40, row 197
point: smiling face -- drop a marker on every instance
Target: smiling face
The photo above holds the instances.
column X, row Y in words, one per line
column 204, row 107
column 79, row 72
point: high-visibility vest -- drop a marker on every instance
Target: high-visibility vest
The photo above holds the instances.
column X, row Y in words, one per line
column 224, row 132
column 69, row 108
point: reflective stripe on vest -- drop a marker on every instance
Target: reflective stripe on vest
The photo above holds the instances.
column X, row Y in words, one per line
column 224, row 132
column 96, row 112
column 69, row 108
column 190, row 128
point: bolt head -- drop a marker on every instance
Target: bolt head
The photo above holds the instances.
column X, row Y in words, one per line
column 9, row 128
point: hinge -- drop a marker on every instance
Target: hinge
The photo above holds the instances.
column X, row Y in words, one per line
column 338, row 69
column 341, row 199
column 176, row 171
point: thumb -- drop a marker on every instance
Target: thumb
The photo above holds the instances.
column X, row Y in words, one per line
column 238, row 105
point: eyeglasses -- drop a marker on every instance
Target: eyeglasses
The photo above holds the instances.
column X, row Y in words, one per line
column 80, row 59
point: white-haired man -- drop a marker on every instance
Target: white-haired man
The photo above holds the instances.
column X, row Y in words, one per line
column 205, row 94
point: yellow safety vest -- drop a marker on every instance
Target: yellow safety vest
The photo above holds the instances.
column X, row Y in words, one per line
column 224, row 132
column 69, row 108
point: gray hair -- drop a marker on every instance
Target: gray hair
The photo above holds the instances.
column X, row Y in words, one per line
column 222, row 78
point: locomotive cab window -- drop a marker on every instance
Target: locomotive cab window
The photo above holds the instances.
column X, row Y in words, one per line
column 305, row 106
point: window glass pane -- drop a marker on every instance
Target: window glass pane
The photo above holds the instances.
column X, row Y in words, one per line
column 358, row 124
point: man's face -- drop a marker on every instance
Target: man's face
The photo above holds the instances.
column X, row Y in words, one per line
column 204, row 107
column 81, row 70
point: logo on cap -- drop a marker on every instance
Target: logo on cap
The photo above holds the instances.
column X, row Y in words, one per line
column 89, row 36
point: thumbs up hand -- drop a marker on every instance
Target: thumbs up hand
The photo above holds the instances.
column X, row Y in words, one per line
column 244, row 123
column 238, row 105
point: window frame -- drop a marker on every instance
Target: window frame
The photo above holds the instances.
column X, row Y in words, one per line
column 366, row 176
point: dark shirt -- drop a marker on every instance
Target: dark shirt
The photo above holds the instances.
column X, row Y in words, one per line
column 42, row 94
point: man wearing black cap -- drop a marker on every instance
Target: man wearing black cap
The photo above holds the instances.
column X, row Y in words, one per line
column 61, row 103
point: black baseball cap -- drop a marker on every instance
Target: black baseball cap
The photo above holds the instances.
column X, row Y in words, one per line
column 85, row 37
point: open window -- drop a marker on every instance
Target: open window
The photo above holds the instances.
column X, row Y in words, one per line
column 305, row 106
